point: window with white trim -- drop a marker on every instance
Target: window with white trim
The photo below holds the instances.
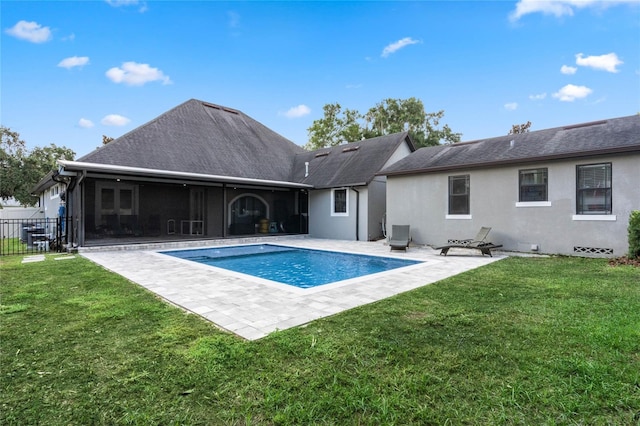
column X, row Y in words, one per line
column 55, row 191
column 593, row 189
column 533, row 184
column 459, row 192
column 339, row 202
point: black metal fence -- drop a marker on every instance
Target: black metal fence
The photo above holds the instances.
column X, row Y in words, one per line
column 31, row 236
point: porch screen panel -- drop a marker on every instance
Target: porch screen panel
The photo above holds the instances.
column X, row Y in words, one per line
column 126, row 201
column 108, row 200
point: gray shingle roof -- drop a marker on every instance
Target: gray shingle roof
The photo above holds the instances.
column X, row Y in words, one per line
column 199, row 137
column 580, row 140
column 354, row 163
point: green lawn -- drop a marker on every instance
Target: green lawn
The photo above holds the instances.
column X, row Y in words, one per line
column 528, row 341
column 11, row 246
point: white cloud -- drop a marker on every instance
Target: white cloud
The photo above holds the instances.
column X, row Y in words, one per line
column 607, row 62
column 565, row 69
column 115, row 120
column 538, row 97
column 570, row 93
column 394, row 47
column 560, row 8
column 74, row 61
column 125, row 3
column 297, row 111
column 135, row 74
column 511, row 106
column 85, row 123
column 30, row 31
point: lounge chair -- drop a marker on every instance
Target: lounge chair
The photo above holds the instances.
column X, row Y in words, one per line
column 479, row 243
column 400, row 237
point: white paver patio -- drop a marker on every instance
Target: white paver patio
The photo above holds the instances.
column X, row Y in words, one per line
column 252, row 307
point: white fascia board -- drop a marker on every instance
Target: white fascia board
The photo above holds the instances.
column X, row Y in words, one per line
column 110, row 168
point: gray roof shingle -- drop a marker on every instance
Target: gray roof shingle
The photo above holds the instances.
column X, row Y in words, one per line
column 200, row 137
column 355, row 163
column 581, row 140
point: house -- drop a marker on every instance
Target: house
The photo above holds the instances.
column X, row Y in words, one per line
column 348, row 199
column 202, row 170
column 566, row 190
column 16, row 218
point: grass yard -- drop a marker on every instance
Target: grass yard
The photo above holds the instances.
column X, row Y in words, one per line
column 12, row 246
column 552, row 341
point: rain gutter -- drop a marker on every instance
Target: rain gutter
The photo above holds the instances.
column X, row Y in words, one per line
column 139, row 171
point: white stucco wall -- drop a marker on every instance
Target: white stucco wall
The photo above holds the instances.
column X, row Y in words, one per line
column 372, row 199
column 402, row 151
column 422, row 202
column 322, row 224
column 50, row 200
column 377, row 207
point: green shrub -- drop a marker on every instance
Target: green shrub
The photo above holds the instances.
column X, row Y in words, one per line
column 634, row 234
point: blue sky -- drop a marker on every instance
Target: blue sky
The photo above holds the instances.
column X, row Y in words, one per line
column 74, row 71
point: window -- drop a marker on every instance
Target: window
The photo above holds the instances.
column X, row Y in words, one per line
column 593, row 189
column 55, row 191
column 533, row 185
column 339, row 202
column 459, row 195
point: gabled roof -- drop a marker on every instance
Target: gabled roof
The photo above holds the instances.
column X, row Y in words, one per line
column 202, row 138
column 352, row 164
column 611, row 136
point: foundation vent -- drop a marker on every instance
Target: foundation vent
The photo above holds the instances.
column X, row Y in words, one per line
column 592, row 250
column 457, row 241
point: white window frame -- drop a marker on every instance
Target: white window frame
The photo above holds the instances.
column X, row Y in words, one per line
column 464, row 216
column 606, row 215
column 333, row 202
column 537, row 203
column 54, row 192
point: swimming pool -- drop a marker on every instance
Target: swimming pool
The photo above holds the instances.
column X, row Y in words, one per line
column 302, row 268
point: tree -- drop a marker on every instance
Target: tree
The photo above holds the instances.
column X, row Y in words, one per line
column 386, row 117
column 12, row 151
column 520, row 128
column 335, row 128
column 21, row 169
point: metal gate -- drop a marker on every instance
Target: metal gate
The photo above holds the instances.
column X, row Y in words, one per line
column 27, row 236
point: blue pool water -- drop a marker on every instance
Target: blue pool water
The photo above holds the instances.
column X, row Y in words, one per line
column 302, row 268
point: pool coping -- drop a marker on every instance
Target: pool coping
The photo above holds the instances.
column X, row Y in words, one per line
column 253, row 308
column 291, row 287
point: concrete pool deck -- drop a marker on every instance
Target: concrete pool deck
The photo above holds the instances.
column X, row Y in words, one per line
column 251, row 307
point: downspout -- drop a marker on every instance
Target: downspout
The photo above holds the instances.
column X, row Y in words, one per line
column 357, row 213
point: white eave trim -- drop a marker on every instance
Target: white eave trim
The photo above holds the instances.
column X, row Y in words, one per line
column 110, row 168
